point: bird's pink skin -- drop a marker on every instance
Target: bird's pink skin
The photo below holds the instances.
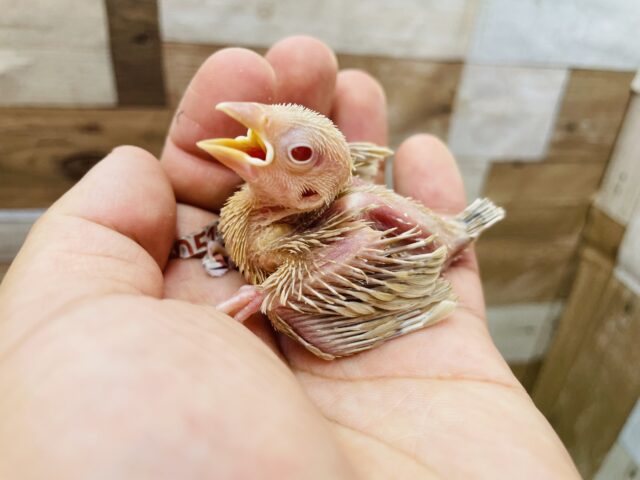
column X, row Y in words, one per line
column 245, row 303
column 385, row 213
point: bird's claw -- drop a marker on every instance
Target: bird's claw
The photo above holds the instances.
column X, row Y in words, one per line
column 244, row 303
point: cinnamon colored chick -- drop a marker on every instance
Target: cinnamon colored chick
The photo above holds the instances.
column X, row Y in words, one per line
column 335, row 262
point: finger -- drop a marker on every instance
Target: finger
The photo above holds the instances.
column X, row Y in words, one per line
column 232, row 74
column 111, row 233
column 360, row 107
column 458, row 347
column 186, row 279
column 425, row 169
column 306, row 72
column 360, row 110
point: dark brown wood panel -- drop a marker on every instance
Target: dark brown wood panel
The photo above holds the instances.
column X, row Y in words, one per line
column 531, row 255
column 136, row 52
column 544, row 183
column 590, row 381
column 45, row 151
column 526, row 373
column 590, row 116
column 603, row 233
column 576, row 324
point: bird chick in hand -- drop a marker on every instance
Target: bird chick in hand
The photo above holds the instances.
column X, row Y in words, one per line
column 336, row 263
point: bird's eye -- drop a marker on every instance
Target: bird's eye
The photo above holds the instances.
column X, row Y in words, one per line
column 301, row 153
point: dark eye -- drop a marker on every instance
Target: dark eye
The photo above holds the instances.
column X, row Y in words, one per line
column 300, row 153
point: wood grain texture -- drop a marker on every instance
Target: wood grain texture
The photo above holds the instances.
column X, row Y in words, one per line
column 590, row 116
column 506, row 112
column 618, row 465
column 45, row 151
column 526, row 373
column 181, row 61
column 531, row 255
column 601, row 381
column 522, row 331
column 630, row 435
column 136, row 51
column 55, row 54
column 628, row 267
column 420, row 93
column 428, row 29
column 576, row 324
column 542, row 183
column 620, row 191
column 571, row 33
column 603, row 233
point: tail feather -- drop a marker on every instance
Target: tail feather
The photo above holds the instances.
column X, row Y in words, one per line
column 480, row 215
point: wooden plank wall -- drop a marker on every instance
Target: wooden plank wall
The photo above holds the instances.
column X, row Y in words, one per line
column 532, row 118
column 589, row 382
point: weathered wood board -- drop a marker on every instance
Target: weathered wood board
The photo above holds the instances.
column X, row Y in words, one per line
column 593, row 355
column 45, row 151
column 590, row 116
column 571, row 33
column 505, row 113
column 420, row 93
column 136, row 51
column 55, row 54
column 430, row 29
column 620, row 194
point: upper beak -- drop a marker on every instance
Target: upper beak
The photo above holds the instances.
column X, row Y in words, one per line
column 243, row 153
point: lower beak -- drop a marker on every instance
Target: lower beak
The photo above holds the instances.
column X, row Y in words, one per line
column 243, row 154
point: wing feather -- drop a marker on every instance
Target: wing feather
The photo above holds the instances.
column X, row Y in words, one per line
column 340, row 307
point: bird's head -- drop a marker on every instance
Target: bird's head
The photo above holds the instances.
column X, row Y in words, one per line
column 291, row 157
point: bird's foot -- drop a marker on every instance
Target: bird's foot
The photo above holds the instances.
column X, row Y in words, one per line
column 244, row 303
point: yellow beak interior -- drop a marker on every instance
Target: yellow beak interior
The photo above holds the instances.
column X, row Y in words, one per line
column 249, row 148
column 244, row 151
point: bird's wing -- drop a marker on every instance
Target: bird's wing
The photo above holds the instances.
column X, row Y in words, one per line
column 367, row 158
column 352, row 287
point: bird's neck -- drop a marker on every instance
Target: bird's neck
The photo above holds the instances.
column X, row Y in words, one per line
column 247, row 225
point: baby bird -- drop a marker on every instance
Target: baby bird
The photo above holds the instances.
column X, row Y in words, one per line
column 336, row 263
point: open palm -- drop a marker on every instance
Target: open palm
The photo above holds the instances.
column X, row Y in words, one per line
column 115, row 364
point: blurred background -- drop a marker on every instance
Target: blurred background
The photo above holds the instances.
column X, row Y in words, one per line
column 536, row 98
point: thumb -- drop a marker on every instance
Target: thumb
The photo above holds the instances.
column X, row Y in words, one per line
column 111, row 233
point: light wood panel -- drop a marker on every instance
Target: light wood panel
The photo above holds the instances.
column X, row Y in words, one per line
column 55, row 54
column 505, row 113
column 522, row 331
column 44, row 151
column 14, row 227
column 620, row 191
column 429, row 29
column 571, row 33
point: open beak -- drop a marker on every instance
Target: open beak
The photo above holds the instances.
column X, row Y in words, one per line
column 245, row 153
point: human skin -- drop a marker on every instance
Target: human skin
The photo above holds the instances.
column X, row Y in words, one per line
column 114, row 362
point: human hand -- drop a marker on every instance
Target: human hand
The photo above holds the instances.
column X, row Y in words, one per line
column 115, row 364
